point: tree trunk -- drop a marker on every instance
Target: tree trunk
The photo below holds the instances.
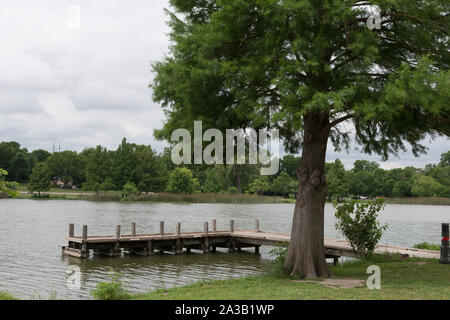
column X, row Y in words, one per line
column 306, row 254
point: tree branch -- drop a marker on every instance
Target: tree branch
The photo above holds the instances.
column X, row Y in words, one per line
column 340, row 120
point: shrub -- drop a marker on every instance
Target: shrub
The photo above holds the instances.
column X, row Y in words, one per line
column 114, row 290
column 232, row 190
column 279, row 254
column 130, row 189
column 357, row 221
column 428, row 246
column 181, row 180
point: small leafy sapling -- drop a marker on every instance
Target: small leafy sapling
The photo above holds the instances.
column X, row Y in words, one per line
column 358, row 222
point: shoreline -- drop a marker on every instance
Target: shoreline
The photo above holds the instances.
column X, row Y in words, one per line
column 208, row 198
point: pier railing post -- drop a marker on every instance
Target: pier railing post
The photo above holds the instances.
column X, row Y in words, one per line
column 178, row 247
column 118, row 231
column 133, row 229
column 116, row 251
column 445, row 251
column 231, row 244
column 71, row 230
column 214, row 230
column 214, row 226
column 84, row 246
column 257, row 226
column 206, row 240
column 161, row 228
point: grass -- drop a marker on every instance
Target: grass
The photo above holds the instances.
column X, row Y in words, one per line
column 428, row 246
column 6, row 296
column 400, row 280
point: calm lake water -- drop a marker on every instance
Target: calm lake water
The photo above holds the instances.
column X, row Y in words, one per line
column 31, row 233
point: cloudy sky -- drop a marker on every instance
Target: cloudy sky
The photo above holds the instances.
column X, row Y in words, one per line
column 83, row 82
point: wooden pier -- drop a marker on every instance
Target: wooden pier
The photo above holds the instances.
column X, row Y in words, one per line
column 207, row 242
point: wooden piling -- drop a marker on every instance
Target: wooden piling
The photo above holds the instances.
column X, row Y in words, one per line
column 206, row 241
column 133, row 229
column 257, row 226
column 161, row 228
column 118, row 231
column 214, row 226
column 71, row 230
column 231, row 226
column 84, row 246
column 445, row 250
column 178, row 246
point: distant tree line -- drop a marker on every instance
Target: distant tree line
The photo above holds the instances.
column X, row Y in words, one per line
column 137, row 169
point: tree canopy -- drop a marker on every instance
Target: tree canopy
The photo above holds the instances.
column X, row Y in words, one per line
column 306, row 67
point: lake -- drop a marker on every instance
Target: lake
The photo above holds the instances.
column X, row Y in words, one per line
column 31, row 233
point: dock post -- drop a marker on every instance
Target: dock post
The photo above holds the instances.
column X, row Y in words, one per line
column 116, row 251
column 445, row 251
column 231, row 244
column 133, row 229
column 257, row 249
column 150, row 250
column 71, row 230
column 161, row 228
column 257, row 226
column 214, row 230
column 178, row 247
column 117, row 232
column 84, row 246
column 206, row 240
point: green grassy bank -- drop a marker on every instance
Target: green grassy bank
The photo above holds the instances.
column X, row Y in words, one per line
column 411, row 279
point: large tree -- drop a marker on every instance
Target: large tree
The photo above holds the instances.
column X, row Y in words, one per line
column 307, row 67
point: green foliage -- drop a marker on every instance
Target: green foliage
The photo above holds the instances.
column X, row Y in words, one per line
column 337, row 181
column 425, row 186
column 7, row 187
column 212, row 183
column 279, row 254
column 283, row 184
column 40, row 178
column 445, row 159
column 274, row 63
column 260, row 185
column 68, row 166
column 113, row 290
column 428, row 246
column 232, row 190
column 130, row 189
column 358, row 222
column 108, row 184
column 289, row 164
column 181, row 180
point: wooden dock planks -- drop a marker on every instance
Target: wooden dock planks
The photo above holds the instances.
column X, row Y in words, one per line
column 206, row 241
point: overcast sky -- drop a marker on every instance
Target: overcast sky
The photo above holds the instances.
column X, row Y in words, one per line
column 86, row 84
